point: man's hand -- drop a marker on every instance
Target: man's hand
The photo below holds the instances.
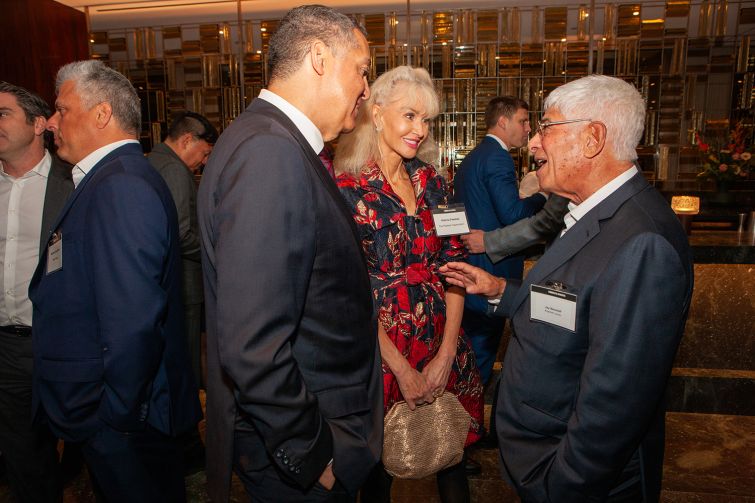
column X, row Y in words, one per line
column 473, row 279
column 474, row 241
column 327, row 479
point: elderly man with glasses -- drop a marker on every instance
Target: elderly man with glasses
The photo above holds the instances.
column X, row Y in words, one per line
column 598, row 319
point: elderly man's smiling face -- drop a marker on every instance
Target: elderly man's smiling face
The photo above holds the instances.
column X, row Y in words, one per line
column 557, row 150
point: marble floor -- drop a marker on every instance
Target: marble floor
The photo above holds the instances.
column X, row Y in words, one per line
column 709, row 459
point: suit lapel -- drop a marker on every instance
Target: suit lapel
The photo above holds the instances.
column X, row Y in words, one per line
column 564, row 248
column 125, row 149
column 59, row 187
column 315, row 163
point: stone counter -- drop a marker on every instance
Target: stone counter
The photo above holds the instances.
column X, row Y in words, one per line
column 715, row 366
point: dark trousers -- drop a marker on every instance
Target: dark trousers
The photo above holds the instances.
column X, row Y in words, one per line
column 484, row 332
column 30, row 454
column 193, row 327
column 145, row 466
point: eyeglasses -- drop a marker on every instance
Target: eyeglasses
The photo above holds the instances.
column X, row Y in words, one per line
column 542, row 126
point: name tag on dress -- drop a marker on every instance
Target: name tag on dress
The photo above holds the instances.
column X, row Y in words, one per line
column 55, row 252
column 450, row 220
column 552, row 304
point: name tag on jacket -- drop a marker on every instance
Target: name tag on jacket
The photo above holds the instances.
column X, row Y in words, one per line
column 55, row 253
column 554, row 306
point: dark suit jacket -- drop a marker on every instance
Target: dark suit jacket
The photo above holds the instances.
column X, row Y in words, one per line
column 486, row 183
column 59, row 187
column 108, row 339
column 579, row 411
column 182, row 187
column 542, row 226
column 291, row 336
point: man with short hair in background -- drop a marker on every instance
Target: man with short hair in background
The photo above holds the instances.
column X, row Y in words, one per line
column 34, row 186
column 185, row 149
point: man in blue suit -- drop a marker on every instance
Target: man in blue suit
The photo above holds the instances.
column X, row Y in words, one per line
column 111, row 368
column 487, row 185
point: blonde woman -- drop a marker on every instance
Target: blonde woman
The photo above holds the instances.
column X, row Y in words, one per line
column 392, row 192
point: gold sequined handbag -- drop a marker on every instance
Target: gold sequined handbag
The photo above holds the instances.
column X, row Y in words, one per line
column 423, row 441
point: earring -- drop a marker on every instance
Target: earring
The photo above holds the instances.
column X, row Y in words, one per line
column 378, row 129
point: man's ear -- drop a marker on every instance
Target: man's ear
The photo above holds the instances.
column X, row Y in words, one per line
column 317, row 55
column 502, row 122
column 595, row 139
column 185, row 140
column 104, row 113
column 40, row 125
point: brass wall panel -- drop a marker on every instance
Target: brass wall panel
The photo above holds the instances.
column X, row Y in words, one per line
column 487, row 26
column 629, row 20
column 443, row 27
column 375, row 26
column 555, row 22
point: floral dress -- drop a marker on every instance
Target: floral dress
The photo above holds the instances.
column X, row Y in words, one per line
column 403, row 256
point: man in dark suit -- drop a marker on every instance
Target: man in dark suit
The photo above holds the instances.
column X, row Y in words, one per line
column 487, row 185
column 186, row 148
column 34, row 186
column 294, row 393
column 110, row 363
column 598, row 319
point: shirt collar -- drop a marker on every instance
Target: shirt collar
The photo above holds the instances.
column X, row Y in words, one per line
column 500, row 142
column 577, row 211
column 305, row 126
column 85, row 165
column 42, row 168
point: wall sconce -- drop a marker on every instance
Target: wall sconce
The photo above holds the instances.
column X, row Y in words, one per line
column 685, row 208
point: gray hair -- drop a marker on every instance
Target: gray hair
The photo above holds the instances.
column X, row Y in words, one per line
column 299, row 28
column 32, row 105
column 612, row 101
column 358, row 148
column 97, row 83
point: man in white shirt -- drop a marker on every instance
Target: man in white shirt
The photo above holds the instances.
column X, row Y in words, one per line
column 598, row 319
column 294, row 387
column 111, row 368
column 34, row 186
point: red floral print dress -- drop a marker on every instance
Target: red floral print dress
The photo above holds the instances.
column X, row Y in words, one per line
column 403, row 256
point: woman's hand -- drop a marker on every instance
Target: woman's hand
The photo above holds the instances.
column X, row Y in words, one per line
column 413, row 386
column 436, row 372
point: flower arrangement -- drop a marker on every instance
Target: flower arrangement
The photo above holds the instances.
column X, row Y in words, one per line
column 729, row 158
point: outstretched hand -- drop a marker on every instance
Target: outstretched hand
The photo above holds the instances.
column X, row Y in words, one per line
column 473, row 279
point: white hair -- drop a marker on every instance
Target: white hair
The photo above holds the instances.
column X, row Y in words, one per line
column 612, row 101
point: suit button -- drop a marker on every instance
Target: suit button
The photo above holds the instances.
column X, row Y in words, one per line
column 298, row 470
column 285, row 460
column 278, row 453
column 292, row 468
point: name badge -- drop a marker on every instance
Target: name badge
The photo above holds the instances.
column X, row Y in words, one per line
column 55, row 253
column 450, row 220
column 554, row 306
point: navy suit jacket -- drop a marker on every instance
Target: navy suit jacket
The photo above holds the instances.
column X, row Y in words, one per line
column 579, row 411
column 487, row 185
column 291, row 333
column 107, row 328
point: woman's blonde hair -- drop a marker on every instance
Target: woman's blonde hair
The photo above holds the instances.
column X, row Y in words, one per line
column 360, row 147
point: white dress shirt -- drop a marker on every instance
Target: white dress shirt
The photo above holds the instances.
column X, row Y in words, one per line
column 577, row 211
column 305, row 126
column 21, row 203
column 500, row 142
column 85, row 165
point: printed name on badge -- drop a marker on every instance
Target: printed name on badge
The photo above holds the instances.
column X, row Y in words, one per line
column 450, row 220
column 554, row 306
column 55, row 253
